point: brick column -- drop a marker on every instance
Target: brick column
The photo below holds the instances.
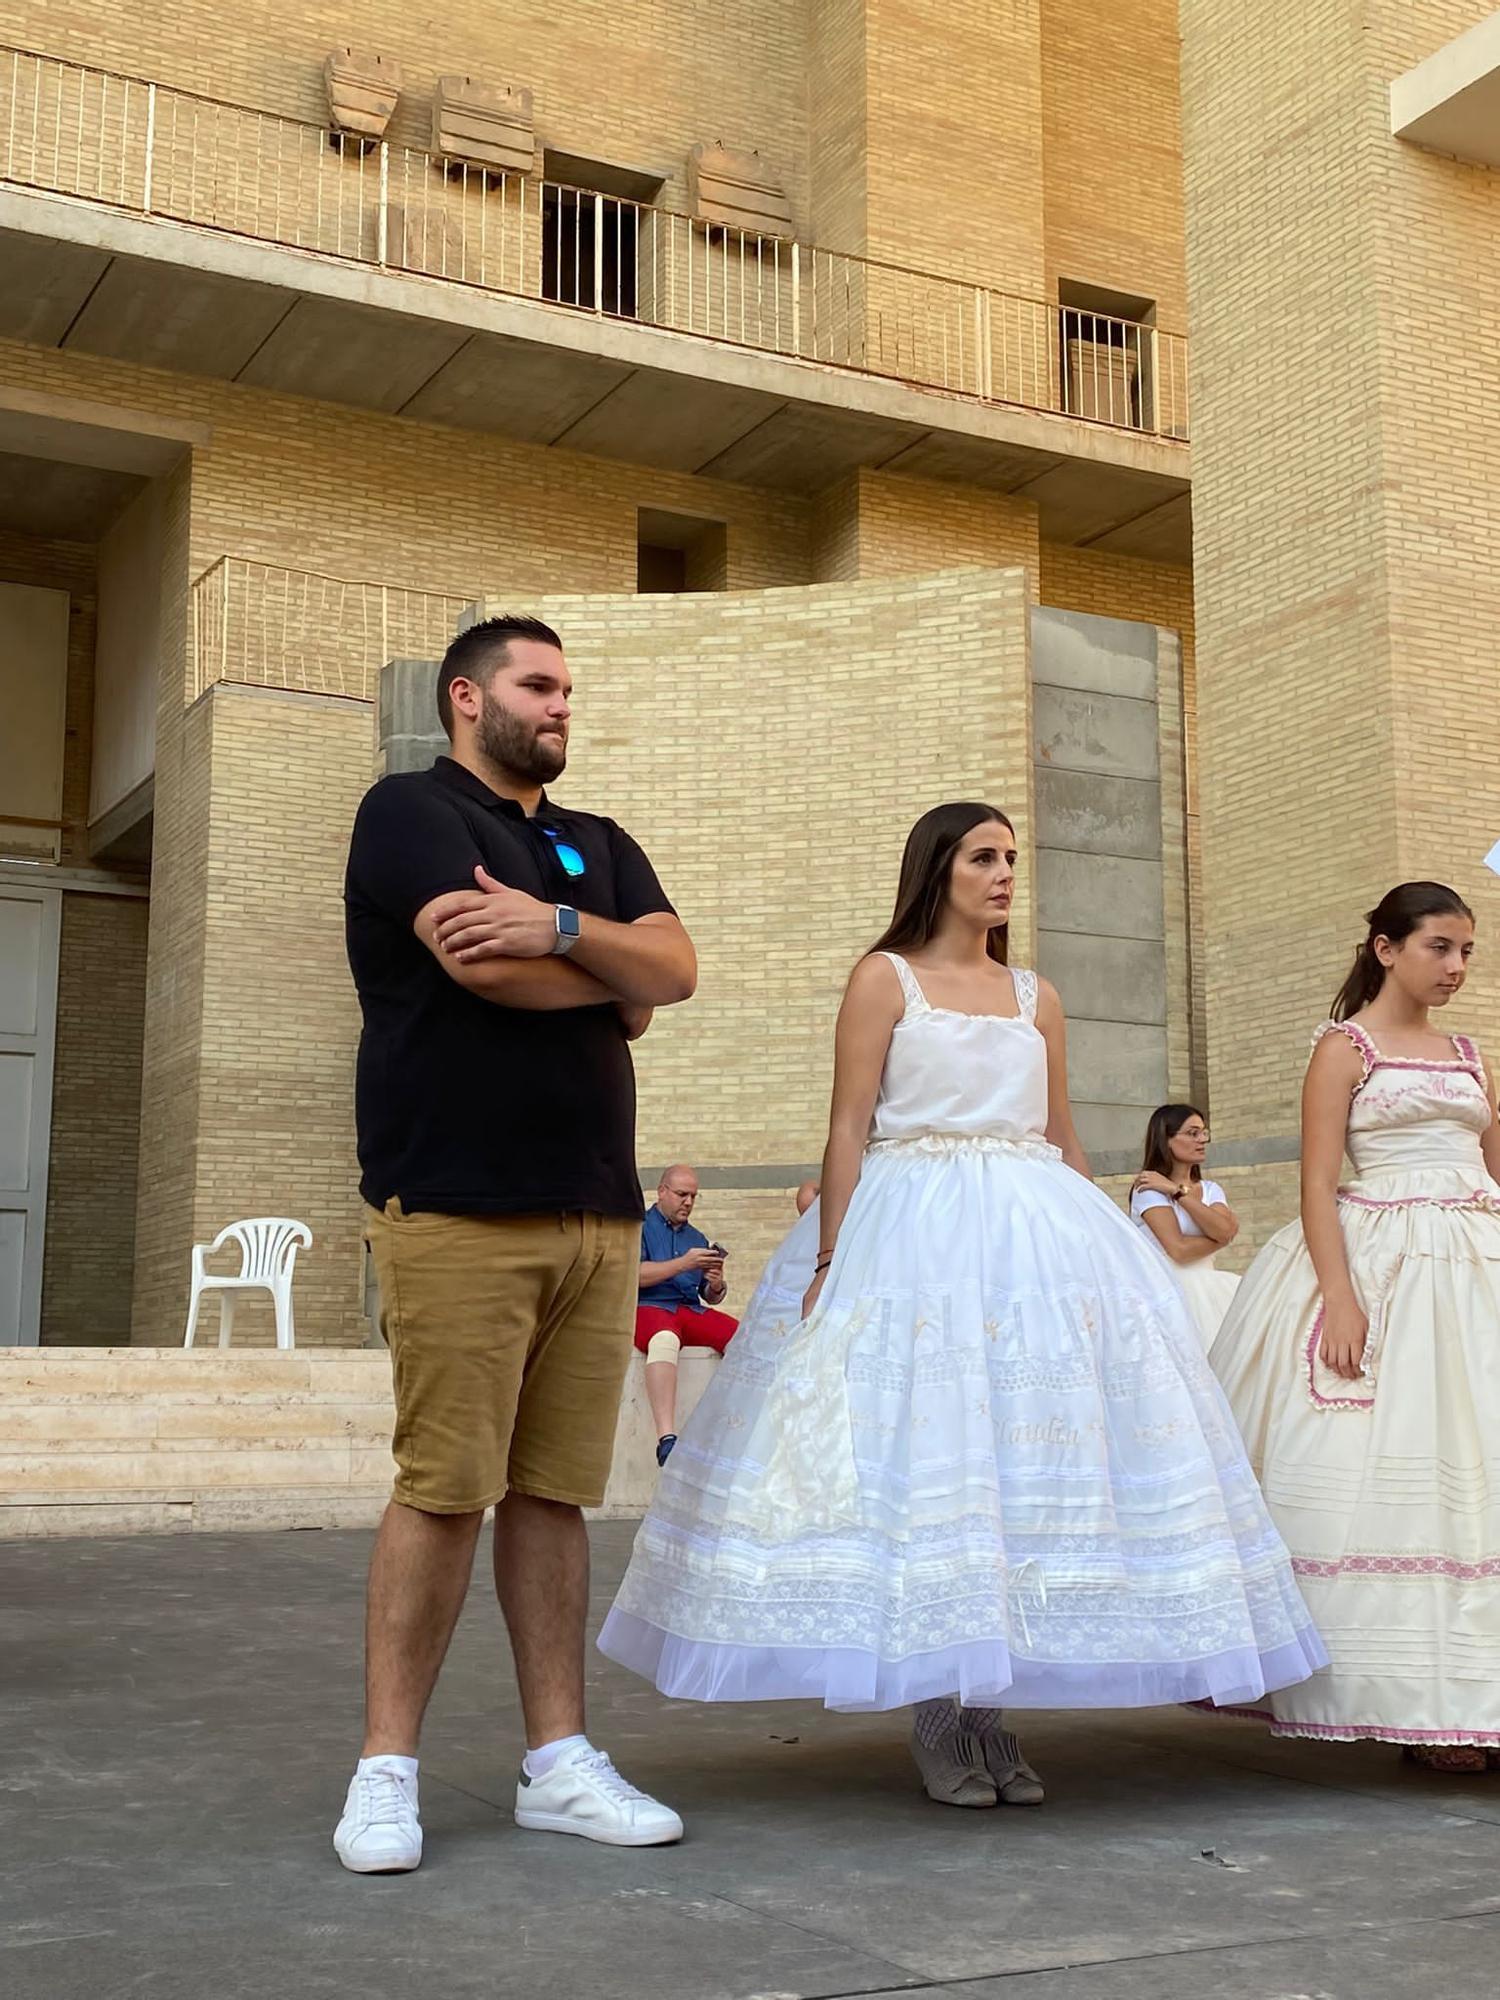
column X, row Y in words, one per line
column 1346, row 428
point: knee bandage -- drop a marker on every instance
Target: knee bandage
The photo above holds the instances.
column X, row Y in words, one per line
column 664, row 1346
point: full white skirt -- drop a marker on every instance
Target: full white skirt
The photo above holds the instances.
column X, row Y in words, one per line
column 994, row 1462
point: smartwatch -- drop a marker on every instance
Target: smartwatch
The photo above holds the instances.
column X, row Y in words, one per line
column 567, row 930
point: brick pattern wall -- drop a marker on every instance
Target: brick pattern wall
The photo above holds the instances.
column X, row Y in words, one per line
column 636, row 86
column 780, row 900
column 1112, row 150
column 1345, row 518
column 789, row 864
column 96, row 1101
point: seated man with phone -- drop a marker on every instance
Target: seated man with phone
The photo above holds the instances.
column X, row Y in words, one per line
column 681, row 1284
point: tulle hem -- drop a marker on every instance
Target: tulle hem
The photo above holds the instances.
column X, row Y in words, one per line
column 979, row 1672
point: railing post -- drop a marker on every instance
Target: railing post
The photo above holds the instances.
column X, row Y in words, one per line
column 383, row 206
column 146, row 188
column 796, row 298
column 982, row 344
column 598, row 253
column 1152, row 387
column 224, row 624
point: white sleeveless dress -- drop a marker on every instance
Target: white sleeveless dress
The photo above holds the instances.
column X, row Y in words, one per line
column 1387, row 1488
column 993, row 1462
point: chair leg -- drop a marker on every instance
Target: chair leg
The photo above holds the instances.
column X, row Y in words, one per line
column 285, row 1332
column 226, row 1317
column 192, row 1324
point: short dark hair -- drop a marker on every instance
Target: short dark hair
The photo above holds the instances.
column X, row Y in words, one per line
column 475, row 655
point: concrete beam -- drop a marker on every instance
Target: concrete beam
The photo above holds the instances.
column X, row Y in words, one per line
column 79, row 431
column 190, row 299
column 1451, row 102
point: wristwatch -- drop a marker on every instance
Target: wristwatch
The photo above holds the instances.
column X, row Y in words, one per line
column 567, row 930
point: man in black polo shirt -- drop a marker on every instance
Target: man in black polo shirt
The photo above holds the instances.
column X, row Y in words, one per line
column 506, row 951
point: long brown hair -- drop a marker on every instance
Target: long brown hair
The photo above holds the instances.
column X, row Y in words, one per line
column 1165, row 1122
column 1395, row 917
column 927, row 869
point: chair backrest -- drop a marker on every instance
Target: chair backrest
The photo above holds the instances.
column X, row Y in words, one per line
column 268, row 1244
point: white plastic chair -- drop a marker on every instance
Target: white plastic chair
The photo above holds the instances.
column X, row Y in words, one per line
column 268, row 1250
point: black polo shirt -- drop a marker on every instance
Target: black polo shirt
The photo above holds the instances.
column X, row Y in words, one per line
column 462, row 1106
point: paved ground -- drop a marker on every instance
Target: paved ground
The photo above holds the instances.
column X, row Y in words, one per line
column 178, row 1722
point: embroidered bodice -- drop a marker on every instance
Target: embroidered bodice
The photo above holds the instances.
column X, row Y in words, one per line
column 1412, row 1115
column 970, row 1076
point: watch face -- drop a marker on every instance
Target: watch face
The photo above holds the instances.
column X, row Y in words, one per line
column 567, row 921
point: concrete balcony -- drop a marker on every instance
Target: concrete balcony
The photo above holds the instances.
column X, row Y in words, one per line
column 155, row 226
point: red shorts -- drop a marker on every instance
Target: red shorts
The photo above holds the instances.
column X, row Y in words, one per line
column 694, row 1329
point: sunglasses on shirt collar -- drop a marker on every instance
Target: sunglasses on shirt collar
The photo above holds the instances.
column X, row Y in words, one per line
column 573, row 863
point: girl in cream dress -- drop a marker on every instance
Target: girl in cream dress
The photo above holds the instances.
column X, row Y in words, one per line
column 1362, row 1356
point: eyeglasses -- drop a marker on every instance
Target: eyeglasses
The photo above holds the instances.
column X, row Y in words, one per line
column 573, row 863
column 1195, row 1132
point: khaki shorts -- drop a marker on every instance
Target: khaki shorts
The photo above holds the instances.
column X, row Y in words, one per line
column 509, row 1339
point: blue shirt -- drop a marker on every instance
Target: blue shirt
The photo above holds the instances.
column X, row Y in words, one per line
column 660, row 1244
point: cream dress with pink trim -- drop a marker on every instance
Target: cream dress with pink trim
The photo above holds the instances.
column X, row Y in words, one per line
column 1387, row 1489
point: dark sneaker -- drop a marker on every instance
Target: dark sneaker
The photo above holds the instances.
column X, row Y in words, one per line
column 664, row 1447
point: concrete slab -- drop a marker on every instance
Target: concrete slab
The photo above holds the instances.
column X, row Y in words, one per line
column 970, row 462
column 1104, row 733
column 1105, row 979
column 350, row 354
column 1098, row 506
column 1112, row 1133
column 1077, row 649
column 1162, row 533
column 45, row 285
column 1093, row 814
column 181, row 1714
column 514, row 388
column 1117, row 1062
column 201, row 323
column 71, row 503
column 1099, row 894
column 804, row 450
column 679, row 425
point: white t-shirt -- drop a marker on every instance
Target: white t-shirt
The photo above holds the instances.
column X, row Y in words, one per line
column 1208, row 1191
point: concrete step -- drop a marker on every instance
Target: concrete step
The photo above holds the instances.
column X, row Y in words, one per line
column 159, row 1440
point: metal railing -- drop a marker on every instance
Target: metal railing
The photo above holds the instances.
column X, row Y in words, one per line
column 156, row 151
column 288, row 628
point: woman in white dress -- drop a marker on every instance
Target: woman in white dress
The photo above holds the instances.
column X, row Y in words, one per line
column 1362, row 1356
column 982, row 1455
column 1187, row 1217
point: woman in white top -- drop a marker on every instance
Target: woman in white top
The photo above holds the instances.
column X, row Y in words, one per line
column 980, row 1454
column 1186, row 1215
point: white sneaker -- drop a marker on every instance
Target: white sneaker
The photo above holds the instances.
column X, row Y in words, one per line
column 583, row 1793
column 380, row 1833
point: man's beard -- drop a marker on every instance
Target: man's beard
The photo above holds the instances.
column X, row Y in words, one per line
column 503, row 739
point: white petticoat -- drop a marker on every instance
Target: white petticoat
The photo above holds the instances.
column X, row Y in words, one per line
column 994, row 1463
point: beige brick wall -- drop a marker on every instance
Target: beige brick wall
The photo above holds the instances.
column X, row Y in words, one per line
column 1346, row 517
column 877, row 524
column 610, row 84
column 785, row 870
column 819, row 767
column 275, row 1130
column 96, row 1102
column 1112, row 150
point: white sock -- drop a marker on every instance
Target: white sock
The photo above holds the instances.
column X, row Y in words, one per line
column 539, row 1762
column 404, row 1767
